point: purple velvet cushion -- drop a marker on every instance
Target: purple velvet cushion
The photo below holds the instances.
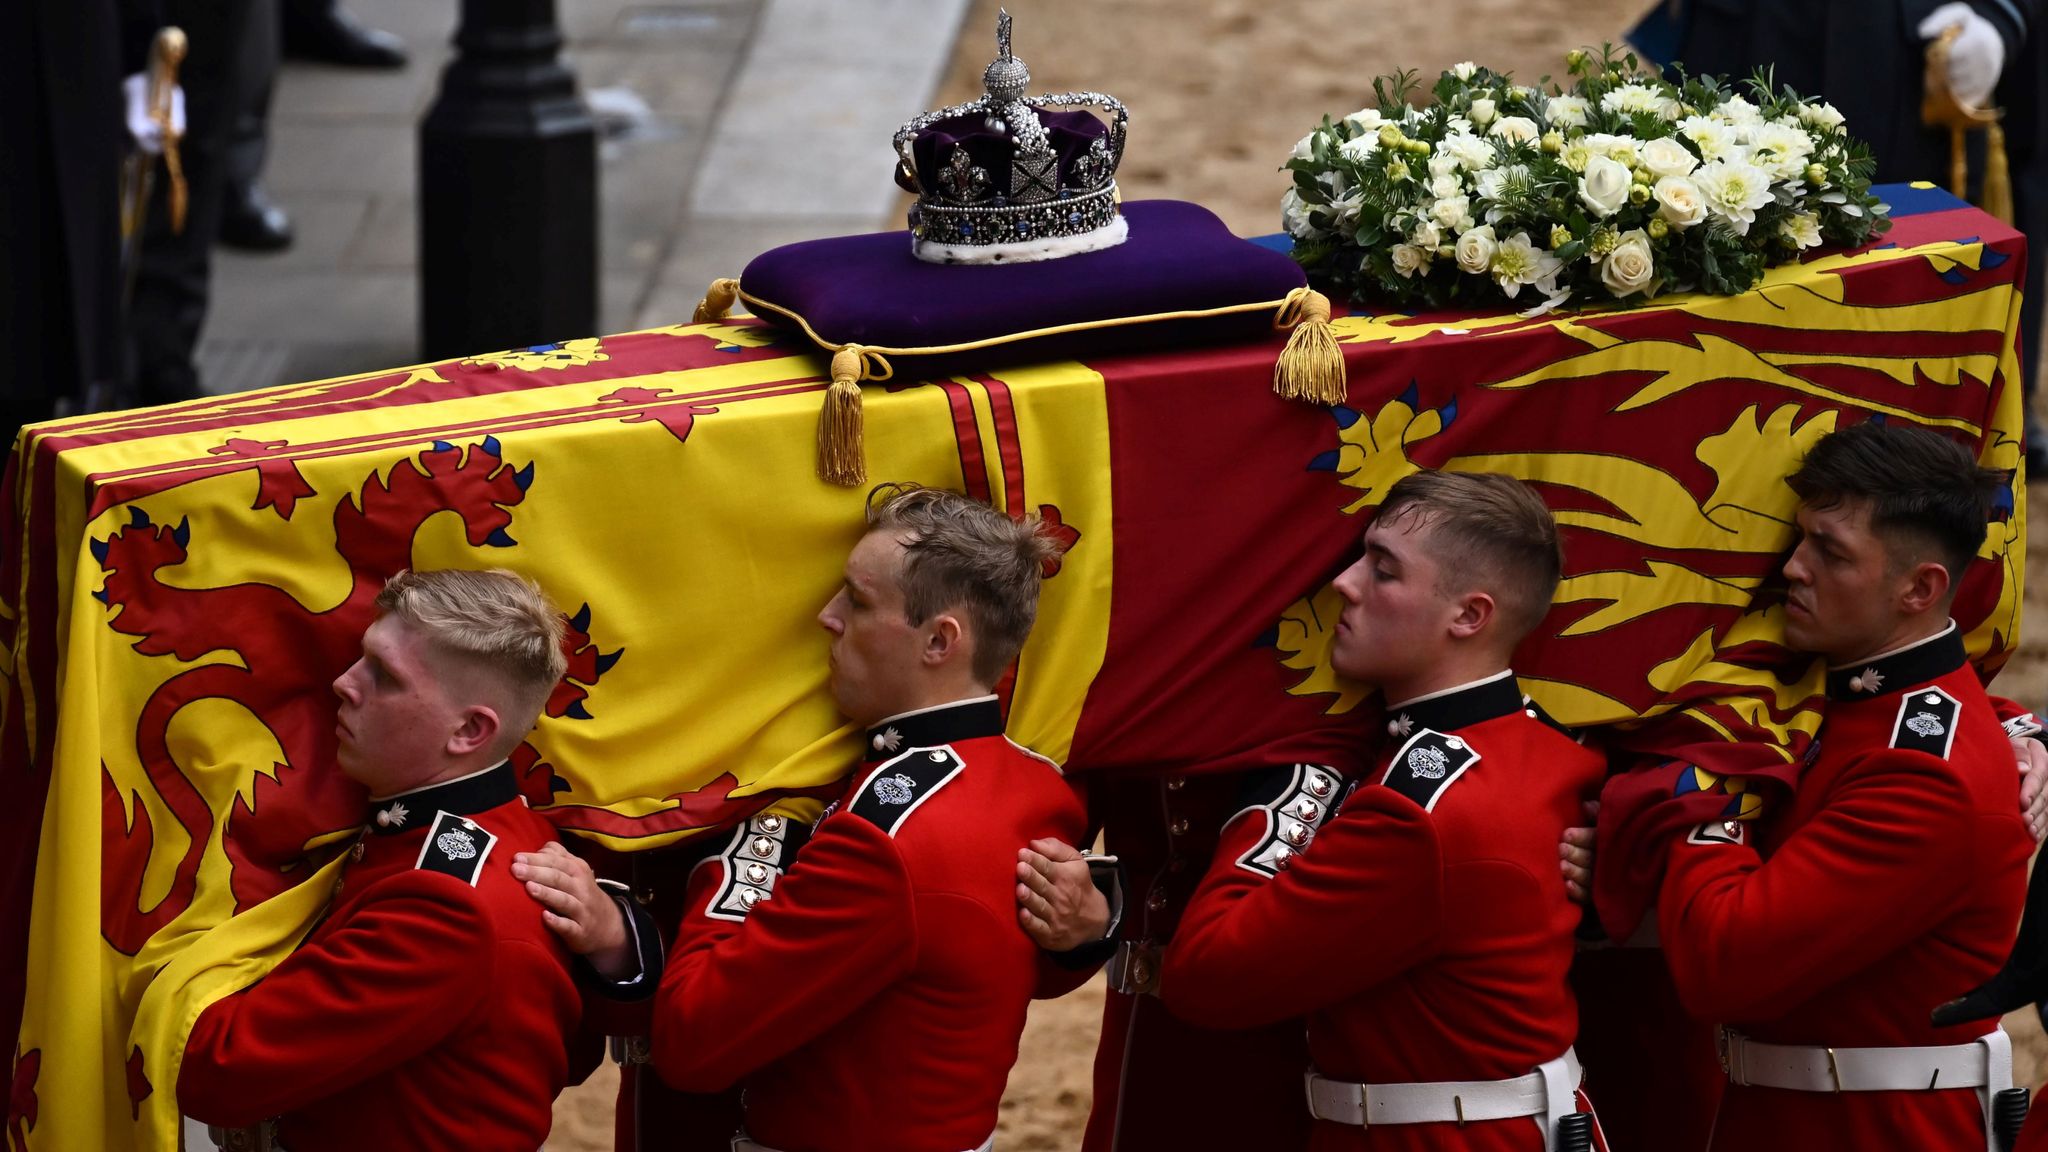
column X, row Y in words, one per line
column 870, row 290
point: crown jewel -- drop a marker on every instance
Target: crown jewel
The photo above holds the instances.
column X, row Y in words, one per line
column 1008, row 179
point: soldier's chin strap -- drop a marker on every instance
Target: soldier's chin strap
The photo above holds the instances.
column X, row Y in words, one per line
column 2024, row 979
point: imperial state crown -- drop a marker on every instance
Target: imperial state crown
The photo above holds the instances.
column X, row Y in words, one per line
column 1007, row 178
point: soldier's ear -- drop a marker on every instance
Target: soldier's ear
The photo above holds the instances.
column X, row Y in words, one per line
column 475, row 732
column 1475, row 611
column 1924, row 587
column 945, row 639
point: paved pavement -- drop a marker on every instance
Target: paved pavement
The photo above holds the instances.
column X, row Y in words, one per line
column 741, row 125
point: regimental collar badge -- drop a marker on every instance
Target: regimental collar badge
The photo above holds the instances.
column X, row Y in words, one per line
column 467, row 796
column 1007, row 179
column 933, row 727
column 902, row 785
column 1899, row 669
column 1458, row 708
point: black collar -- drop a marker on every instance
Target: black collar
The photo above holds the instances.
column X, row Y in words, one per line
column 466, row 796
column 1457, row 708
column 931, row 727
column 1915, row 664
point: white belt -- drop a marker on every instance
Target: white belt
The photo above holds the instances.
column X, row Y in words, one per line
column 742, row 1143
column 1546, row 1094
column 1984, row 1064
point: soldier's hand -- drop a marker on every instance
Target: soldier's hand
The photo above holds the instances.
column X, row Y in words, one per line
column 1575, row 856
column 587, row 919
column 2033, row 765
column 1057, row 901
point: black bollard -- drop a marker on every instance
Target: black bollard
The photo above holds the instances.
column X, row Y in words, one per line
column 508, row 190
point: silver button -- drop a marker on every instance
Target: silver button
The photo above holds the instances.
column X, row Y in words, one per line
column 749, row 897
column 1318, row 784
column 1282, row 856
column 763, row 847
column 757, row 873
column 771, row 824
column 1297, row 833
column 1178, row 827
column 1306, row 809
column 1176, row 784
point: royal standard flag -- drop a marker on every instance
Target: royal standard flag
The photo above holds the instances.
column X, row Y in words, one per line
column 179, row 586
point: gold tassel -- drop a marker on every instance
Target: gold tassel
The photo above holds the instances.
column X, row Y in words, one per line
column 1311, row 367
column 1997, row 175
column 842, row 448
column 718, row 301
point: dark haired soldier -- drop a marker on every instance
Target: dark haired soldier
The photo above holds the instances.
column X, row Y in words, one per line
column 1419, row 924
column 1896, row 871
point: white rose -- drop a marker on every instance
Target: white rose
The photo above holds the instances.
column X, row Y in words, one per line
column 1566, row 111
column 1453, row 212
column 1475, row 249
column 1464, row 69
column 1604, row 187
column 1410, row 259
column 1482, row 112
column 1469, row 151
column 1366, row 119
column 1679, row 202
column 1668, row 157
column 1734, row 192
column 1358, row 149
column 1426, row 235
column 1304, row 148
column 1629, row 268
column 1445, row 186
column 1443, row 164
column 1516, row 129
column 1622, row 150
column 1821, row 115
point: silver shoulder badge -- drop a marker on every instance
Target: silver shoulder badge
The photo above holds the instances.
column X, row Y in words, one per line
column 1719, row 832
column 753, row 860
column 456, row 846
column 902, row 785
column 1293, row 801
column 1427, row 764
column 1927, row 721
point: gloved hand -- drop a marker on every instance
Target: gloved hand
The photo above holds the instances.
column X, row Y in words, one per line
column 1977, row 56
column 147, row 133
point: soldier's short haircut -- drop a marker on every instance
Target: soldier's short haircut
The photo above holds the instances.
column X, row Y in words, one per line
column 1488, row 532
column 963, row 555
column 495, row 620
column 1926, row 494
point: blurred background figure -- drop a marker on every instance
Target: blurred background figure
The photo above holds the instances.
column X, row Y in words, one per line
column 1866, row 57
column 64, row 117
column 249, row 220
column 319, row 31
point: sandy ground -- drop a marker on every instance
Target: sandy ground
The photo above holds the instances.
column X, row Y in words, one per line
column 1218, row 92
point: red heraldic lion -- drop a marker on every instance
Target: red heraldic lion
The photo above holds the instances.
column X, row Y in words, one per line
column 1891, row 883
column 1421, row 927
column 431, row 1009
column 875, row 1002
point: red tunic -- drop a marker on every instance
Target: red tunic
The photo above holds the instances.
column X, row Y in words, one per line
column 431, row 1009
column 1891, row 882
column 1425, row 933
column 875, row 1002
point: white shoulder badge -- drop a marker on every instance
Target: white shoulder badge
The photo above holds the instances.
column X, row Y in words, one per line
column 754, row 859
column 1293, row 801
column 1926, row 721
column 1427, row 764
column 456, row 846
column 1719, row 832
column 901, row 786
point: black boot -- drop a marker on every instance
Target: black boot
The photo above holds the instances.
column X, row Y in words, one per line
column 251, row 222
column 322, row 32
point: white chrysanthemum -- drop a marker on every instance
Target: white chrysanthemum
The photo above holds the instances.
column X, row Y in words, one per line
column 1632, row 98
column 1734, row 192
column 1502, row 183
column 1516, row 129
column 1736, row 110
column 1667, row 157
column 1566, row 111
column 1622, row 149
column 1714, row 139
column 1780, row 150
column 1575, row 153
column 1518, row 261
column 1802, row 228
column 1359, row 148
column 1471, row 153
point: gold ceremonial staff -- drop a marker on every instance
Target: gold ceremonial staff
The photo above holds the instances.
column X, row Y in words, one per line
column 138, row 171
column 1939, row 108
